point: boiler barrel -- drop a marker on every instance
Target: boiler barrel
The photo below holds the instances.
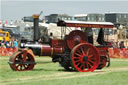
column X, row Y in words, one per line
column 49, row 51
column 44, row 50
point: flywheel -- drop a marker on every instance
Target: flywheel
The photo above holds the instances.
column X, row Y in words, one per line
column 75, row 37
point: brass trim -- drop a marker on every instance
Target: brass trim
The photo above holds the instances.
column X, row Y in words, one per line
column 35, row 16
column 41, row 53
column 51, row 51
column 61, row 50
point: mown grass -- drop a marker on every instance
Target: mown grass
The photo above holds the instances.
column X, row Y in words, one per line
column 48, row 73
column 117, row 78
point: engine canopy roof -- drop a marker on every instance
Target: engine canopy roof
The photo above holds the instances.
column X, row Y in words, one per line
column 84, row 24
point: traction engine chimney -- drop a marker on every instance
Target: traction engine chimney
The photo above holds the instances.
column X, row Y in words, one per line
column 36, row 27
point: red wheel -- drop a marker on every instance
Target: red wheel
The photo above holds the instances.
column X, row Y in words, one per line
column 103, row 61
column 84, row 57
column 22, row 61
column 76, row 37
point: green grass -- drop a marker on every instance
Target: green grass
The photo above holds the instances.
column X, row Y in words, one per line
column 48, row 73
column 105, row 79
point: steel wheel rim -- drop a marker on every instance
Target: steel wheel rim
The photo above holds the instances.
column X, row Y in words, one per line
column 85, row 57
column 104, row 62
column 18, row 57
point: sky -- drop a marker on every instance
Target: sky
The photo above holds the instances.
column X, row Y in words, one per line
column 64, row 0
column 17, row 9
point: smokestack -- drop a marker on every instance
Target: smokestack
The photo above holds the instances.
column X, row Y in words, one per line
column 36, row 27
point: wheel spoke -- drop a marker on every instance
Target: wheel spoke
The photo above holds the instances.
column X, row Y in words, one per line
column 77, row 61
column 17, row 61
column 90, row 56
column 91, row 61
column 82, row 51
column 20, row 67
column 78, row 64
column 24, row 67
column 17, row 66
column 90, row 65
column 76, row 57
column 82, row 65
column 78, row 51
column 78, row 54
column 87, row 65
column 20, row 58
column 88, row 51
column 24, row 55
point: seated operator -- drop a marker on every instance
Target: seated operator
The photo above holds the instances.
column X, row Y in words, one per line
column 100, row 38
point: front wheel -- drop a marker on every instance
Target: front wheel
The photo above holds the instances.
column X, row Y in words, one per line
column 22, row 61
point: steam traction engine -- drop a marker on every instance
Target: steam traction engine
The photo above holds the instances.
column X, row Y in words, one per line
column 73, row 51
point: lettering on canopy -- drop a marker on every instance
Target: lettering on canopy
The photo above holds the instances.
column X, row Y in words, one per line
column 89, row 25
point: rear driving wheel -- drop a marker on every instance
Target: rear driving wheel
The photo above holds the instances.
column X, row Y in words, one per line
column 84, row 57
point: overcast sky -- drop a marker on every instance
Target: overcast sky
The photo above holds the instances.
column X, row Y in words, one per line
column 64, row 0
column 17, row 9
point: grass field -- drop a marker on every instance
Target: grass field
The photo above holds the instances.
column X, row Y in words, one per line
column 48, row 73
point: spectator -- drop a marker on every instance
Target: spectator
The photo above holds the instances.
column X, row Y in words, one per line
column 11, row 42
column 15, row 43
column 122, row 44
column 0, row 43
column 4, row 42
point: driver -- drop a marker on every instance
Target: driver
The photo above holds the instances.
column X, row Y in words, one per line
column 100, row 38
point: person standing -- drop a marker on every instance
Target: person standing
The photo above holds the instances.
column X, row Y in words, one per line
column 4, row 42
column 3, row 47
column 122, row 44
column 15, row 43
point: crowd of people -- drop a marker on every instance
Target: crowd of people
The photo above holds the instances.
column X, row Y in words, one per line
column 11, row 44
column 8, row 48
